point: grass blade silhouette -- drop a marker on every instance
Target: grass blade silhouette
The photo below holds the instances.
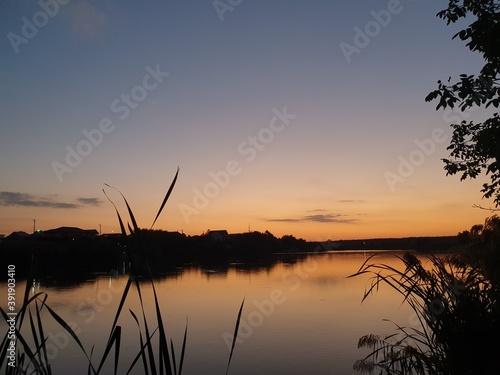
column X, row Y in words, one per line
column 68, row 329
column 183, row 351
column 130, row 213
column 235, row 336
column 141, row 353
column 120, row 221
column 44, row 347
column 115, row 339
column 166, row 197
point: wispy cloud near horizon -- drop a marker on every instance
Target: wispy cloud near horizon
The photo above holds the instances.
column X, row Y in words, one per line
column 317, row 218
column 9, row 198
column 90, row 201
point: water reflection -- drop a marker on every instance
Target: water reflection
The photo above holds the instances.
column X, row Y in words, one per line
column 58, row 274
column 301, row 315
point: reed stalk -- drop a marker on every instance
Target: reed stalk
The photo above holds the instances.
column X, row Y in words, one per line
column 458, row 311
column 153, row 358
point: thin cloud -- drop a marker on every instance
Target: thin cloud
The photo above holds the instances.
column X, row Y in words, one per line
column 9, row 198
column 329, row 218
column 351, row 201
column 318, row 218
column 284, row 220
column 90, row 201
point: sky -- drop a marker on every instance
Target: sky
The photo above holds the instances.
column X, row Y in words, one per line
column 298, row 117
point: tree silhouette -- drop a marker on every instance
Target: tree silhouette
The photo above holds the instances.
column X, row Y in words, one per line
column 475, row 147
column 455, row 298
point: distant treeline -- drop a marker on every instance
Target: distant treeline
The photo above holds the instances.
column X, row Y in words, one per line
column 420, row 244
column 65, row 259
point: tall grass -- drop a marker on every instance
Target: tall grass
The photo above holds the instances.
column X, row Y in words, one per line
column 458, row 311
column 156, row 354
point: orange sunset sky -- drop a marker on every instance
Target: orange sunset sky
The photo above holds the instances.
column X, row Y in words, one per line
column 302, row 118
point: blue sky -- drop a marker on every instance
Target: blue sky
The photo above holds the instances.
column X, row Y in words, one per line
column 223, row 69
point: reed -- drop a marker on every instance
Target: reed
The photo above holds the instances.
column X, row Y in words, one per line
column 458, row 311
column 156, row 354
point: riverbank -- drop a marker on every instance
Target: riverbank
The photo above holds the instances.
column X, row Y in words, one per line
column 75, row 259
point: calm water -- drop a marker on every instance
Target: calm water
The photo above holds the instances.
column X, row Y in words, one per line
column 299, row 318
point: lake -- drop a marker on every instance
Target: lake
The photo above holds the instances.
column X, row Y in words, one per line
column 302, row 315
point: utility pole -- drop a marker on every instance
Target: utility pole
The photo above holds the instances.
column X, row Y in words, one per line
column 34, row 226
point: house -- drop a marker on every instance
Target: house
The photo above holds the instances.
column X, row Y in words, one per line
column 70, row 233
column 20, row 235
column 218, row 235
